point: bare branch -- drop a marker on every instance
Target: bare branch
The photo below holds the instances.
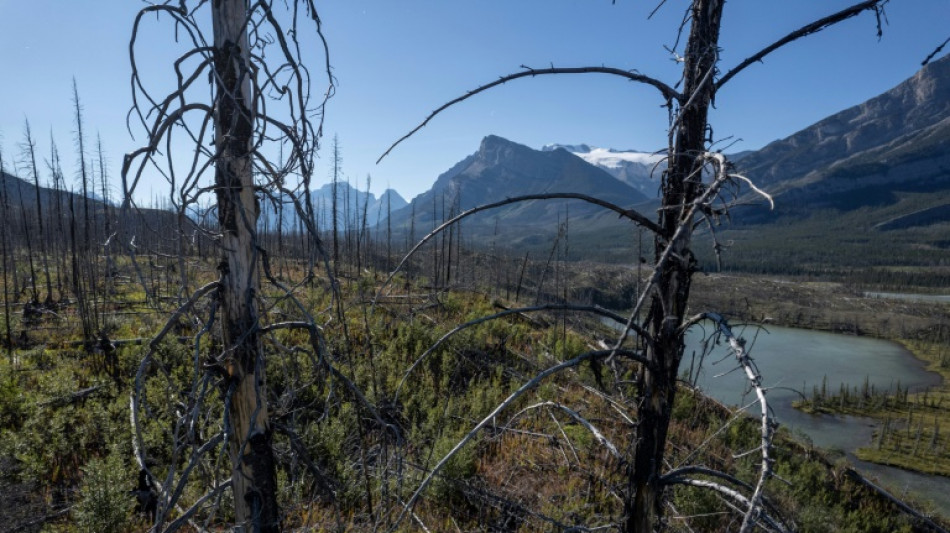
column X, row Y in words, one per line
column 597, row 354
column 666, row 91
column 853, row 474
column 672, row 476
column 934, row 53
column 732, row 494
column 806, row 30
column 187, row 514
column 721, row 178
column 767, row 426
column 580, row 420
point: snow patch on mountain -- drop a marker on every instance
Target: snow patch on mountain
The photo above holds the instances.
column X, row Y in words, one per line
column 637, row 169
column 606, row 157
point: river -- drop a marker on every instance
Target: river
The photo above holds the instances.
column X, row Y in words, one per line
column 793, row 361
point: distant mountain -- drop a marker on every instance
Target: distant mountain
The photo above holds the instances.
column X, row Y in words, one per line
column 16, row 188
column 351, row 204
column 149, row 228
column 640, row 170
column 503, row 169
column 864, row 156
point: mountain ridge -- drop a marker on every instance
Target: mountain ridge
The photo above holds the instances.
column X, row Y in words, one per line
column 868, row 142
column 503, row 169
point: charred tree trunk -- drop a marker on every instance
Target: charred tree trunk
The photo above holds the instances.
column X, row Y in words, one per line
column 27, row 230
column 107, row 214
column 8, row 342
column 334, row 191
column 82, row 307
column 59, row 228
column 30, row 148
column 80, row 145
column 253, row 473
column 682, row 185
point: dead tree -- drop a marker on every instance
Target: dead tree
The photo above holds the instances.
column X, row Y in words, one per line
column 4, row 256
column 697, row 186
column 254, row 478
column 83, row 176
column 258, row 106
column 29, row 152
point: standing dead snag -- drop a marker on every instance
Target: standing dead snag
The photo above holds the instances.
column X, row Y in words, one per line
column 256, row 109
column 693, row 190
column 682, row 186
column 253, row 477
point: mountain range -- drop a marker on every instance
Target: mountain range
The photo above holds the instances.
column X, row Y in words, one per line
column 871, row 183
column 882, row 166
column 865, row 155
column 352, row 205
column 502, row 169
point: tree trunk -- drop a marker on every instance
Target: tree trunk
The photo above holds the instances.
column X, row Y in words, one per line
column 334, row 192
column 80, row 144
column 30, row 147
column 253, row 474
column 657, row 386
column 8, row 341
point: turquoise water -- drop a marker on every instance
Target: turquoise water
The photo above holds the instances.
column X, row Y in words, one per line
column 793, row 361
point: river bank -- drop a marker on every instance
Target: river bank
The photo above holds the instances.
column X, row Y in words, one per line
column 912, row 424
column 912, row 428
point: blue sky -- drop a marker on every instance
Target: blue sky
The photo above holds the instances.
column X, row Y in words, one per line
column 396, row 61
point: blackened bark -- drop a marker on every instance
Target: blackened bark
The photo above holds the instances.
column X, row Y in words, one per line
column 80, row 144
column 30, row 147
column 8, row 342
column 681, row 187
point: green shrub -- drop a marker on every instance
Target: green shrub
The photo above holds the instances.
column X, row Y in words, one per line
column 105, row 504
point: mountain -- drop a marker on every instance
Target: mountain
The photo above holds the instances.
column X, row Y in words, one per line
column 351, row 204
column 867, row 155
column 148, row 228
column 640, row 170
column 862, row 196
column 503, row 169
column 16, row 189
column 866, row 188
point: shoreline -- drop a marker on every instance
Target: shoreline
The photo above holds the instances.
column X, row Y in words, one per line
column 921, row 327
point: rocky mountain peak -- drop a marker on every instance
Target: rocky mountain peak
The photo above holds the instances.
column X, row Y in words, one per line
column 504, row 169
column 919, row 103
column 495, row 150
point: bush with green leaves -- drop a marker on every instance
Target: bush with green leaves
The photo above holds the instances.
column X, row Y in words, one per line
column 105, row 504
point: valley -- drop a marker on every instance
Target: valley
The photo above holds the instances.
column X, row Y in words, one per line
column 564, row 337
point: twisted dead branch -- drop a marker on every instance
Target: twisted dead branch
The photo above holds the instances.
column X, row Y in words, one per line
column 667, row 92
column 876, row 5
column 598, row 436
column 262, row 100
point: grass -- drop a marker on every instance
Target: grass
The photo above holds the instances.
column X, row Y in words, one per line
column 515, row 476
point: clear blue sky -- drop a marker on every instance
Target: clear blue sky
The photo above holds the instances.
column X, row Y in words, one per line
column 396, row 61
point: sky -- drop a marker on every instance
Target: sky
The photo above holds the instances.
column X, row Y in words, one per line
column 397, row 61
